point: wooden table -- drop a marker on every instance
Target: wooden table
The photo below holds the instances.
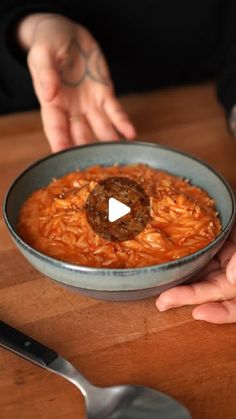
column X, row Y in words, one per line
column 113, row 343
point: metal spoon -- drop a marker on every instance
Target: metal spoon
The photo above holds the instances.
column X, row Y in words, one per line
column 117, row 402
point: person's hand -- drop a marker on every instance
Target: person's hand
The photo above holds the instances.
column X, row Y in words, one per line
column 72, row 82
column 216, row 292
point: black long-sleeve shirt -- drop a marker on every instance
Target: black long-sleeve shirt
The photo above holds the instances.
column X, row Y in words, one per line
column 148, row 44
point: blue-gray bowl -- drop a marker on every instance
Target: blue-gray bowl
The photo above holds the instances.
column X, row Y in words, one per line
column 120, row 284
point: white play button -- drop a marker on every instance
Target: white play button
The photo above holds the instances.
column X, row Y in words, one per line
column 116, row 209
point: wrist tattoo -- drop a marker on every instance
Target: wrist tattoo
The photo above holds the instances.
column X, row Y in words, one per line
column 80, row 64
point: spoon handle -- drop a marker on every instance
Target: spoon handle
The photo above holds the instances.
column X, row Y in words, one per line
column 26, row 347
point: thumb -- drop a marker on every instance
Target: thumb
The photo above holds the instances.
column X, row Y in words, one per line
column 42, row 67
column 231, row 270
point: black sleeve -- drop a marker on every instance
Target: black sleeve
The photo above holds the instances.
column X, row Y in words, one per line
column 226, row 86
column 16, row 90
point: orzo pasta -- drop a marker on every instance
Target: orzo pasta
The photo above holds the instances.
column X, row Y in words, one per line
column 183, row 220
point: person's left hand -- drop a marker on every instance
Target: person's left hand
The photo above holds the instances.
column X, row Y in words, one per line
column 215, row 293
column 72, row 82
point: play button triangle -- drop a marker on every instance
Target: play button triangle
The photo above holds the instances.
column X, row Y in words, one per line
column 116, row 209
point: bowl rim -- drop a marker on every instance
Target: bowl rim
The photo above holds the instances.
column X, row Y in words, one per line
column 125, row 271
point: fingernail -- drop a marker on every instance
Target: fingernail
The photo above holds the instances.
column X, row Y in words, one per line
column 130, row 130
column 232, row 275
column 198, row 316
column 162, row 307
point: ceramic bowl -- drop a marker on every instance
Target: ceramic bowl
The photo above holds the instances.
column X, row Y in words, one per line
column 120, row 284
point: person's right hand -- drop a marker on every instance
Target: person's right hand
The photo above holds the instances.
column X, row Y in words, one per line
column 215, row 294
column 72, row 82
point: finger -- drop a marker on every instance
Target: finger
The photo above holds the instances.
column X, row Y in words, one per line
column 231, row 270
column 119, row 118
column 80, row 131
column 217, row 313
column 42, row 68
column 215, row 289
column 226, row 253
column 55, row 124
column 101, row 125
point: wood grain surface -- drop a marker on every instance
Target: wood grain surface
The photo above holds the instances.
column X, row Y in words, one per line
column 109, row 342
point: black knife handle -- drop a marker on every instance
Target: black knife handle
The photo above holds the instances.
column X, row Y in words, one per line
column 25, row 346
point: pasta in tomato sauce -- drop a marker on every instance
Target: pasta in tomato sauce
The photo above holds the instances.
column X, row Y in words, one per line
column 183, row 220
